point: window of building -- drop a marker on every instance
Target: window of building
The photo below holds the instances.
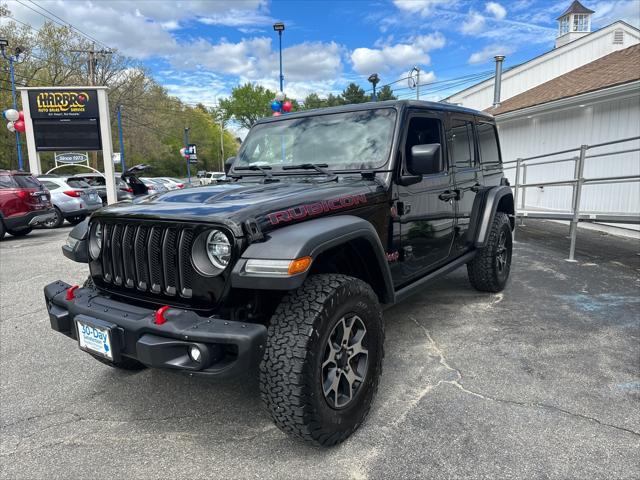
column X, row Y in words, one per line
column 461, row 143
column 563, row 26
column 580, row 22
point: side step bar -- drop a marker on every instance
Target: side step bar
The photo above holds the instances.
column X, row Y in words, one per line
column 416, row 286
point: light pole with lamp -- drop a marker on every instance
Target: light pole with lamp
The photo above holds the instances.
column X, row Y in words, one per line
column 279, row 27
column 374, row 79
column 13, row 58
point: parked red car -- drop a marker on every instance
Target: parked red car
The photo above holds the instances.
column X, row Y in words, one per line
column 24, row 202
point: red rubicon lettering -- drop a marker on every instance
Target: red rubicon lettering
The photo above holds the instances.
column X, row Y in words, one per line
column 312, row 209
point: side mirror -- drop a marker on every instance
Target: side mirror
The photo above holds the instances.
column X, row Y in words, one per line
column 228, row 164
column 424, row 159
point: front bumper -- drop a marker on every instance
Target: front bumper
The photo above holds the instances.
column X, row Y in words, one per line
column 29, row 219
column 230, row 348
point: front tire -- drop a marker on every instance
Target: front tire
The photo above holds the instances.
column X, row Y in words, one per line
column 21, row 233
column 2, row 230
column 489, row 270
column 323, row 358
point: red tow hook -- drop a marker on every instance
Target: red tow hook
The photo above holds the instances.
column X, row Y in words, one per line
column 159, row 320
column 71, row 292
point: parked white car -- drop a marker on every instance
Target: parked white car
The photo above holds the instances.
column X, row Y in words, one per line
column 212, row 177
column 171, row 183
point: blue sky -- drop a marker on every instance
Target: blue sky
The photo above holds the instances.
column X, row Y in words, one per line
column 200, row 49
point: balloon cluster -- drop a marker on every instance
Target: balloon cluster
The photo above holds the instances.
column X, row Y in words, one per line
column 279, row 105
column 183, row 153
column 16, row 120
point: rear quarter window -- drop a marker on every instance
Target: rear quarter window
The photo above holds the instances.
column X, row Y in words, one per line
column 27, row 181
column 488, row 143
column 6, row 181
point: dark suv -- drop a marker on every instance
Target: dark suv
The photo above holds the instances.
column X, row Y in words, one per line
column 329, row 217
column 24, row 203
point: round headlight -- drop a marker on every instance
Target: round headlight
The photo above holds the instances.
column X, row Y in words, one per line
column 218, row 249
column 95, row 240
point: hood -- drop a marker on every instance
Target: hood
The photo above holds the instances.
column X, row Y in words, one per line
column 271, row 205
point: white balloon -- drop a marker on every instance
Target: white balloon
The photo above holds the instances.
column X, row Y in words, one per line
column 280, row 96
column 183, row 151
column 12, row 115
column 11, row 127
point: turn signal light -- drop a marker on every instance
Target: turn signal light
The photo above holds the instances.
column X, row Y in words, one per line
column 160, row 319
column 299, row 265
column 71, row 292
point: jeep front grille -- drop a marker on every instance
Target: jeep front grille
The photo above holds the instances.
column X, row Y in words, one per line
column 154, row 259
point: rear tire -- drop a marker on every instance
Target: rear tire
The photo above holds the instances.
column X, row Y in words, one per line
column 323, row 358
column 2, row 230
column 56, row 221
column 489, row 270
column 20, row 233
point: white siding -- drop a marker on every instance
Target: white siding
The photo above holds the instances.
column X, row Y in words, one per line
column 560, row 130
column 549, row 66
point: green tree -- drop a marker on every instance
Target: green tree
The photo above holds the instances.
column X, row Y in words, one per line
column 247, row 104
column 385, row 93
column 334, row 101
column 314, row 101
column 354, row 94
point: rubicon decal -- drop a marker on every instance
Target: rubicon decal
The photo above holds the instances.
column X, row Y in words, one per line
column 317, row 208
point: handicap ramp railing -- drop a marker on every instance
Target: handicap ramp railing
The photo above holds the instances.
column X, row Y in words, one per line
column 626, row 149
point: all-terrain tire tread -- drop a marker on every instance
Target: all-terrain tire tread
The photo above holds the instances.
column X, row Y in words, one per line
column 481, row 270
column 285, row 382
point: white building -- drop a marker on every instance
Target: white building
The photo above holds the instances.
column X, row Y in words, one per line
column 584, row 91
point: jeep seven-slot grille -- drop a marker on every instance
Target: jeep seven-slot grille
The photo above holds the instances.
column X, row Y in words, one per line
column 153, row 259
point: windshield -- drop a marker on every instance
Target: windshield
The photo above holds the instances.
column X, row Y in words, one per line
column 342, row 141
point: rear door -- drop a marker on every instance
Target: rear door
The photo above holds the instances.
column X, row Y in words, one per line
column 463, row 157
column 426, row 213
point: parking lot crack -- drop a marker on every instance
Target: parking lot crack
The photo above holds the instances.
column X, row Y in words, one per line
column 442, row 360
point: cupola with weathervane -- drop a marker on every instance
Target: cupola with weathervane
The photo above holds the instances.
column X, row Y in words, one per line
column 574, row 23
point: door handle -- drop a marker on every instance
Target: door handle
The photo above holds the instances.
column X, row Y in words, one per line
column 448, row 195
column 476, row 188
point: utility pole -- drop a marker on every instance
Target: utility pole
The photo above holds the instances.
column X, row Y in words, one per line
column 12, row 59
column 93, row 64
column 186, row 145
column 221, row 145
column 120, row 137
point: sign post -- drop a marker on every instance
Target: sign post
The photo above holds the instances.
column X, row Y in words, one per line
column 59, row 119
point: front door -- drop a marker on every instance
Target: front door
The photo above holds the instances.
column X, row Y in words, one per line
column 425, row 209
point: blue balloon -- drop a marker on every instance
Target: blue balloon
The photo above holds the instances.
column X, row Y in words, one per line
column 276, row 106
column 4, row 114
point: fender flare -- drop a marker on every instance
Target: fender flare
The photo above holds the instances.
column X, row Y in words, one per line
column 484, row 211
column 309, row 238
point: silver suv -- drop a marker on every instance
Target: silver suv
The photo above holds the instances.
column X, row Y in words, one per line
column 73, row 199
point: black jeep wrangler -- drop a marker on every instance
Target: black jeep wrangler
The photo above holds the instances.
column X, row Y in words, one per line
column 329, row 216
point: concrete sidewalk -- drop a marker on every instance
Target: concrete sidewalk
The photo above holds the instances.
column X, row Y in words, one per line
column 542, row 380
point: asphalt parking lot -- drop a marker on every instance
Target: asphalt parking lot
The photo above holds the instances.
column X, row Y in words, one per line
column 542, row 380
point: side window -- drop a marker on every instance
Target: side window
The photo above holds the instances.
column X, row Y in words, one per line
column 421, row 131
column 50, row 185
column 461, row 143
column 488, row 142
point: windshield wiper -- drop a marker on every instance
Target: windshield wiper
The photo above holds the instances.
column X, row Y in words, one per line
column 318, row 167
column 264, row 170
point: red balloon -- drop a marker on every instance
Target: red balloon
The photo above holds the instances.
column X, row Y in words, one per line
column 21, row 114
column 286, row 106
column 276, row 114
column 19, row 125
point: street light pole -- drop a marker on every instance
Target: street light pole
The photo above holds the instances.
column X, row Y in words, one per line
column 12, row 59
column 279, row 27
column 186, row 145
column 120, row 137
column 374, row 79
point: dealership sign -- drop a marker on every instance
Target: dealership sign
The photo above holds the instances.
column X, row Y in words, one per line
column 71, row 157
column 65, row 119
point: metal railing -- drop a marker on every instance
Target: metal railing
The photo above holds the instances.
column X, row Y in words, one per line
column 575, row 215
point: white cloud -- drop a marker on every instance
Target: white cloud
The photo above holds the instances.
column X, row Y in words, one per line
column 497, row 10
column 607, row 12
column 488, row 52
column 399, row 56
column 423, row 7
column 474, row 23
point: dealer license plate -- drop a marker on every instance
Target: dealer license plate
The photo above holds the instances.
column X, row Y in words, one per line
column 95, row 339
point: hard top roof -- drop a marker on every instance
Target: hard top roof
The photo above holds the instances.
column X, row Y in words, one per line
column 397, row 104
